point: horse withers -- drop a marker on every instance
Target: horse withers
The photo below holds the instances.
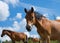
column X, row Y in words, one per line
column 15, row 36
column 47, row 29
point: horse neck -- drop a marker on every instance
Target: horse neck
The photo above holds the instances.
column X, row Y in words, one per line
column 40, row 25
column 37, row 24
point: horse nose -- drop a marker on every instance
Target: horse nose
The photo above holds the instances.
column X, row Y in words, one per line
column 1, row 35
column 28, row 28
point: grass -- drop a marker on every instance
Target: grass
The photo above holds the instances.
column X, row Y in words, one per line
column 29, row 41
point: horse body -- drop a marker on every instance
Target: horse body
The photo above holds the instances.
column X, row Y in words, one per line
column 42, row 28
column 47, row 29
column 15, row 36
column 55, row 30
column 52, row 28
column 18, row 36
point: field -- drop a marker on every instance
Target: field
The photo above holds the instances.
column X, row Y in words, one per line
column 29, row 41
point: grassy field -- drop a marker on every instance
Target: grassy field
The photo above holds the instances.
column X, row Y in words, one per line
column 29, row 41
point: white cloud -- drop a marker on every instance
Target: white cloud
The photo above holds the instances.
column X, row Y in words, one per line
column 13, row 2
column 5, row 38
column 46, row 15
column 23, row 22
column 16, row 25
column 34, row 36
column 34, row 28
column 19, row 15
column 14, row 19
column 35, row 7
column 4, row 11
column 27, row 33
column 58, row 17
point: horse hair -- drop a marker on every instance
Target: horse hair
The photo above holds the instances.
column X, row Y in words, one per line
column 39, row 15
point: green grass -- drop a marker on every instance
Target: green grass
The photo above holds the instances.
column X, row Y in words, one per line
column 54, row 41
column 29, row 41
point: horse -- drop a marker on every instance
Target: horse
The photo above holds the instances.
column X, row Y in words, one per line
column 35, row 39
column 47, row 29
column 15, row 36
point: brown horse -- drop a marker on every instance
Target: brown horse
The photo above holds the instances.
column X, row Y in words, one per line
column 47, row 29
column 15, row 36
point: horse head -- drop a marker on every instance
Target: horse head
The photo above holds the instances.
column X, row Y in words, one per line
column 3, row 33
column 30, row 18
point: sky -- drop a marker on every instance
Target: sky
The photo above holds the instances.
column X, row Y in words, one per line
column 12, row 15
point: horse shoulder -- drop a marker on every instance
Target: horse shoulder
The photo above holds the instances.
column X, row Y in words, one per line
column 56, row 25
column 46, row 25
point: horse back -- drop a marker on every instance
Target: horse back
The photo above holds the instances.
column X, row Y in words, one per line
column 19, row 36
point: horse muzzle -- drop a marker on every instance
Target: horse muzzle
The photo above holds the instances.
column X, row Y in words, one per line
column 1, row 35
column 28, row 28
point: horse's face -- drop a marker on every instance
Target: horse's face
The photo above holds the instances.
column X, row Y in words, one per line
column 30, row 18
column 3, row 33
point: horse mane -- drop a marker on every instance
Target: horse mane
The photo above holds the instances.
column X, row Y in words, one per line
column 8, row 30
column 39, row 15
column 12, row 31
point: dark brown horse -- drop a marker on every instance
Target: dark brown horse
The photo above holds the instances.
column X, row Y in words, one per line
column 47, row 29
column 15, row 36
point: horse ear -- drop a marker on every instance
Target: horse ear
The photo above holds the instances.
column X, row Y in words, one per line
column 25, row 10
column 32, row 9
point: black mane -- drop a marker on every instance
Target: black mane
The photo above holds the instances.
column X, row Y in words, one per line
column 8, row 30
column 39, row 15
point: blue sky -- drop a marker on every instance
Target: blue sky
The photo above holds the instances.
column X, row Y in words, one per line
column 12, row 13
